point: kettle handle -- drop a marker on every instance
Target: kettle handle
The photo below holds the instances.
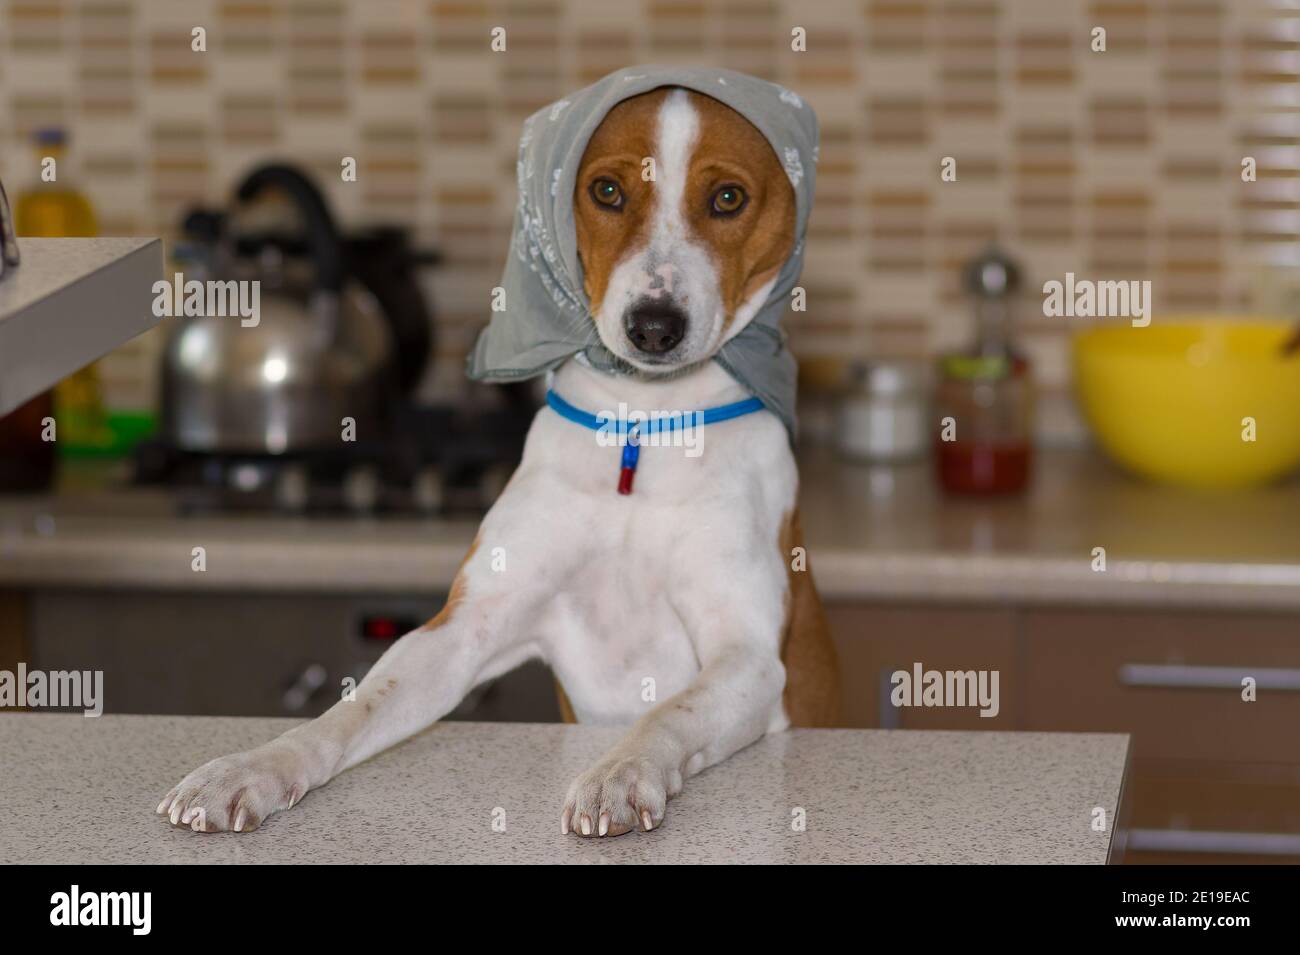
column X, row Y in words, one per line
column 321, row 234
column 386, row 266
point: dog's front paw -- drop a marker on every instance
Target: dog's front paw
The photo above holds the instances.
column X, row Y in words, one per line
column 619, row 794
column 236, row 793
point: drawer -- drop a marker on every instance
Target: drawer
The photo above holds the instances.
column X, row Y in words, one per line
column 1182, row 811
column 1172, row 679
column 875, row 641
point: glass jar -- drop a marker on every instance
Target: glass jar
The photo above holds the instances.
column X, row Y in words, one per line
column 985, row 411
column 985, row 399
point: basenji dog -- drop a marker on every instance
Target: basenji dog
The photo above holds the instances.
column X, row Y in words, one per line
column 693, row 582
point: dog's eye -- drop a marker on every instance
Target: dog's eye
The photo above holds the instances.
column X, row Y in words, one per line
column 728, row 200
column 607, row 193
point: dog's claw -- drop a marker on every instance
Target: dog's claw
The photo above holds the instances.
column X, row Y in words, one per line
column 622, row 793
column 239, row 792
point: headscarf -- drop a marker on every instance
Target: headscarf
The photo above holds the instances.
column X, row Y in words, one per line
column 546, row 315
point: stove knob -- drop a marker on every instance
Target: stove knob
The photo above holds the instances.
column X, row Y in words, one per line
column 361, row 488
column 306, row 686
column 291, row 489
column 428, row 490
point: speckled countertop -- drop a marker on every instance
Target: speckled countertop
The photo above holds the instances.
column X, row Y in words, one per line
column 78, row 790
column 877, row 533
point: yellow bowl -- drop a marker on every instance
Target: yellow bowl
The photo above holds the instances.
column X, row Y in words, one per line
column 1175, row 402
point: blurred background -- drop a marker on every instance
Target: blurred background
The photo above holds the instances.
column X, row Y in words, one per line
column 1123, row 163
column 1102, row 530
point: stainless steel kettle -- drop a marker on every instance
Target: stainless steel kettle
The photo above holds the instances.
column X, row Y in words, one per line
column 324, row 358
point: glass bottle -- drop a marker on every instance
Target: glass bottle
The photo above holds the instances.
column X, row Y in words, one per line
column 985, row 394
column 53, row 208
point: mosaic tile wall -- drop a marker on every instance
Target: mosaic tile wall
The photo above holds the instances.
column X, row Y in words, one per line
column 1122, row 164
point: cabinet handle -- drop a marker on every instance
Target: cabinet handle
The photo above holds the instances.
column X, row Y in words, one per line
column 890, row 717
column 1206, row 677
column 1225, row 843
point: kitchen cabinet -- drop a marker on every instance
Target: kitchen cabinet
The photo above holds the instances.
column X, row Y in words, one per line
column 13, row 629
column 1181, row 809
column 1214, row 777
column 1082, row 666
column 876, row 641
column 257, row 655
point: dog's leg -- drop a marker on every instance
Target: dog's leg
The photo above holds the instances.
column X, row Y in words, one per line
column 480, row 634
column 734, row 701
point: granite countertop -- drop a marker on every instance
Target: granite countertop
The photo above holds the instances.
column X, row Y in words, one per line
column 878, row 533
column 79, row 790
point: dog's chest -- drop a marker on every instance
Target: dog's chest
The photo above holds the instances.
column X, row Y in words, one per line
column 616, row 641
column 615, row 631
column 621, row 581
column 625, row 595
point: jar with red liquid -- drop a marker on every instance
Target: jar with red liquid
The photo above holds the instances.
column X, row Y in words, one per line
column 985, row 397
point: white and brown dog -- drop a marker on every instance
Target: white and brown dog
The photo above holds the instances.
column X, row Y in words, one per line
column 688, row 580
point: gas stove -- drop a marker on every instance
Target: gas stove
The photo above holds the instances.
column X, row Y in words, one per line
column 437, row 461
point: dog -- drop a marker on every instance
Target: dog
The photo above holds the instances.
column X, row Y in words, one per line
column 694, row 580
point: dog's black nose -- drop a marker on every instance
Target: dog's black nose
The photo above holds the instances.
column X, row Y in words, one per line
column 655, row 327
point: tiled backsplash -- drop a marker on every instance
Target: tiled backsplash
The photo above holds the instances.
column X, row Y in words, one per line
column 1123, row 164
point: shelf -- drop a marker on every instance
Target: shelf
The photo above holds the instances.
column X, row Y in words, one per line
column 69, row 302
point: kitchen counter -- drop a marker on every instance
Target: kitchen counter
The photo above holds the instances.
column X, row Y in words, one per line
column 879, row 533
column 69, row 302
column 79, row 790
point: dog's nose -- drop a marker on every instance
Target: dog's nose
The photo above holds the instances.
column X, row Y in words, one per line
column 655, row 327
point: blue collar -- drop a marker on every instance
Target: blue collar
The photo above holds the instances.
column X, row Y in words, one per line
column 607, row 421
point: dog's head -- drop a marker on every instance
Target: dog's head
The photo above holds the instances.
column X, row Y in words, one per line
column 678, row 255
